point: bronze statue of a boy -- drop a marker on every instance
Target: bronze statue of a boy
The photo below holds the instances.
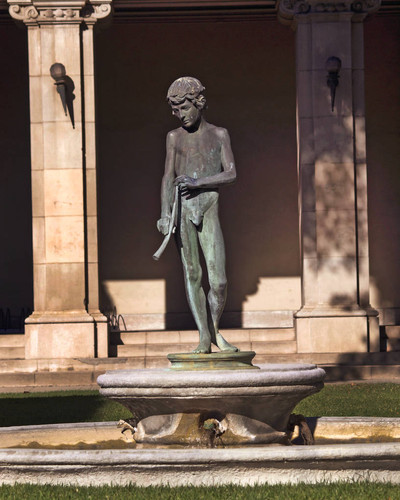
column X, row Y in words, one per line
column 199, row 160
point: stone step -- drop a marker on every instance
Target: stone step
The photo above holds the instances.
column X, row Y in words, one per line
column 393, row 344
column 50, row 380
column 376, row 373
column 134, row 350
column 103, row 364
column 334, row 358
column 12, row 346
column 86, row 379
column 192, row 336
column 69, row 365
column 52, row 374
column 288, row 347
column 160, row 343
column 12, row 352
column 152, row 350
column 392, row 334
column 12, row 340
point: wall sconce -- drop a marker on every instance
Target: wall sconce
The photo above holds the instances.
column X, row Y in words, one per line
column 65, row 87
column 333, row 65
column 58, row 73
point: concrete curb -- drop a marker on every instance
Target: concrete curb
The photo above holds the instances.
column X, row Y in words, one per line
column 263, row 465
column 377, row 462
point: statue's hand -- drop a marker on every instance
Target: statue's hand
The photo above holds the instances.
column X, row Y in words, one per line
column 186, row 181
column 163, row 225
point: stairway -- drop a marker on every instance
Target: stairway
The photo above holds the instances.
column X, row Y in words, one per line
column 151, row 348
column 137, row 350
column 12, row 346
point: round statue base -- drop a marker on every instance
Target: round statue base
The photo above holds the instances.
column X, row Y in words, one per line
column 190, row 361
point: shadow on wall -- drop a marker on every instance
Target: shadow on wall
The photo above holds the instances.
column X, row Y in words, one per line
column 259, row 216
column 334, row 233
column 333, row 187
column 382, row 81
column 258, row 213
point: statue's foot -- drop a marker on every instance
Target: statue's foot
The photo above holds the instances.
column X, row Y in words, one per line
column 223, row 344
column 203, row 348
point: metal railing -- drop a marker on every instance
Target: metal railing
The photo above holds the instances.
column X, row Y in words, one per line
column 116, row 321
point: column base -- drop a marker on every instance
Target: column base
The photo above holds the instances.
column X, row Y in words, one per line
column 60, row 335
column 344, row 330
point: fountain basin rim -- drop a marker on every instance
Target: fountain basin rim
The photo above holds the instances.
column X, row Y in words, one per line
column 266, row 454
column 377, row 462
column 182, row 393
column 288, row 374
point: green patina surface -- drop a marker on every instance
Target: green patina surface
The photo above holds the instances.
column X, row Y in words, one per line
column 213, row 361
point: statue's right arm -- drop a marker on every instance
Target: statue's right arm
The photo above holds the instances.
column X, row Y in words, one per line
column 167, row 185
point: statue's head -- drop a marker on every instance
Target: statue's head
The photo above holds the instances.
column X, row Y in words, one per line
column 187, row 88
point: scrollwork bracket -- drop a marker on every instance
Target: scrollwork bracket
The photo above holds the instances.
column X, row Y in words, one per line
column 291, row 11
column 36, row 12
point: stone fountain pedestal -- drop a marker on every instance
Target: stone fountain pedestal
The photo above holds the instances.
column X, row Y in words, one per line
column 203, row 408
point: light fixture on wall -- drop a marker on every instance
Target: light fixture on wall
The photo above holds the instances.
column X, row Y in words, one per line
column 333, row 65
column 65, row 87
column 58, row 73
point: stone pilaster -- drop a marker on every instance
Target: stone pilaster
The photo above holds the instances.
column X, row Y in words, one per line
column 66, row 321
column 336, row 315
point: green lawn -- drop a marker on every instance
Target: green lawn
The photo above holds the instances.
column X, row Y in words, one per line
column 349, row 400
column 377, row 400
column 380, row 400
column 58, row 407
column 342, row 491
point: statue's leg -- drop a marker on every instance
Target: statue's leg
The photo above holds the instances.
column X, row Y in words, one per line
column 212, row 244
column 192, row 276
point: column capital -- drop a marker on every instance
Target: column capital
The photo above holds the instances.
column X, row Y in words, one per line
column 48, row 12
column 290, row 11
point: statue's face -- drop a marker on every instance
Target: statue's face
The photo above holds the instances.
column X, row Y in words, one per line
column 187, row 113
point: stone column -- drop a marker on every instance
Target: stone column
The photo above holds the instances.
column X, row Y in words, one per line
column 66, row 321
column 336, row 315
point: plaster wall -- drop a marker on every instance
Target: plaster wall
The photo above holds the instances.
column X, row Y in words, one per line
column 249, row 71
column 252, row 93
column 382, row 79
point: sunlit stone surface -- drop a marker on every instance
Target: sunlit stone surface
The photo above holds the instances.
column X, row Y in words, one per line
column 191, row 407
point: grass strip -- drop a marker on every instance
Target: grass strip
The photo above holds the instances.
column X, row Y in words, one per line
column 58, row 407
column 350, row 400
column 342, row 491
column 375, row 400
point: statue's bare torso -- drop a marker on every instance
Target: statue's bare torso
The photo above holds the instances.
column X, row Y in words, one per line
column 198, row 155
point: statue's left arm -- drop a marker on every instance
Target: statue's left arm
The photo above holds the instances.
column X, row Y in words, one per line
column 228, row 174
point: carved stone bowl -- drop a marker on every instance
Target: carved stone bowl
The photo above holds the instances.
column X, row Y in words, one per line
column 203, row 408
